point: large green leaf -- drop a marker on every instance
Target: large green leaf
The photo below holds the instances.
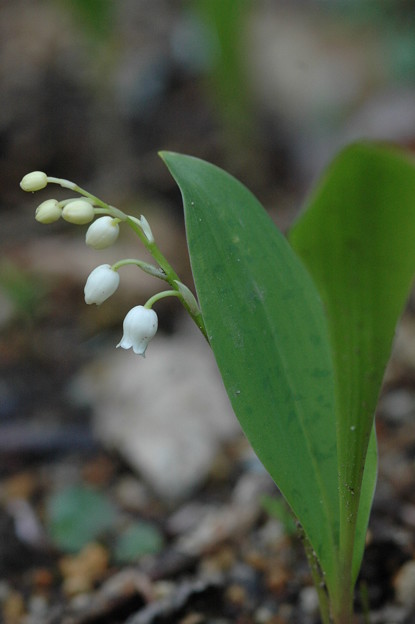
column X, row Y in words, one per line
column 267, row 329
column 357, row 238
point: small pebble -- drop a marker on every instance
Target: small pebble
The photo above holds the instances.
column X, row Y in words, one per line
column 404, row 583
column 42, row 579
column 277, row 579
column 13, row 608
column 131, row 494
column 220, row 561
column 20, row 486
column 83, row 570
column 99, row 471
column 236, row 595
column 308, row 600
column 398, row 406
column 266, row 615
column 193, row 618
column 38, row 606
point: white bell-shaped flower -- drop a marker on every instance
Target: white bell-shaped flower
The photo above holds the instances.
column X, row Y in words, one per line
column 101, row 284
column 102, row 233
column 78, row 211
column 140, row 326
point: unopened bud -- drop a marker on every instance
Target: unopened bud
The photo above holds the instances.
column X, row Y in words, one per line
column 78, row 211
column 101, row 284
column 34, row 181
column 102, row 233
column 48, row 211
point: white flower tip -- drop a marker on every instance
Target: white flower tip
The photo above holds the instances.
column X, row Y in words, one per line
column 126, row 345
column 78, row 211
column 34, row 181
column 140, row 326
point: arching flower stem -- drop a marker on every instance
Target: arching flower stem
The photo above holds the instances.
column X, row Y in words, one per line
column 167, row 272
column 161, row 295
column 170, row 274
column 144, row 266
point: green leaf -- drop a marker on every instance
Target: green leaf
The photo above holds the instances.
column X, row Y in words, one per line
column 267, row 329
column 137, row 540
column 357, row 238
column 78, row 515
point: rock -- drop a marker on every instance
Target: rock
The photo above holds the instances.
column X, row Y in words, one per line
column 166, row 415
column 227, row 522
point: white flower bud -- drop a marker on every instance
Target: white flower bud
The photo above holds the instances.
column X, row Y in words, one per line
column 48, row 211
column 102, row 233
column 140, row 326
column 78, row 211
column 34, row 181
column 101, row 284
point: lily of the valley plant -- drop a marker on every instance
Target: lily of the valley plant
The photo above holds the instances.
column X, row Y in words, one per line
column 301, row 328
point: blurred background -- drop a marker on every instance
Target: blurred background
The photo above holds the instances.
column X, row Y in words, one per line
column 91, row 90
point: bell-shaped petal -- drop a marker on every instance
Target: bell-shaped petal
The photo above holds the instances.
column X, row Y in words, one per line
column 140, row 326
column 101, row 284
column 102, row 233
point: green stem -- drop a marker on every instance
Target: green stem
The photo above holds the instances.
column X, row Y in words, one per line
column 171, row 276
column 161, row 295
column 349, row 507
column 147, row 268
column 342, row 605
column 318, row 580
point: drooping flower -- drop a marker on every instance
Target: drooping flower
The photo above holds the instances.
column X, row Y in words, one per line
column 102, row 233
column 101, row 284
column 140, row 326
column 34, row 181
column 78, row 211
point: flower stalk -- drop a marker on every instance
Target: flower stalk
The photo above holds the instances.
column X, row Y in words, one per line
column 102, row 233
